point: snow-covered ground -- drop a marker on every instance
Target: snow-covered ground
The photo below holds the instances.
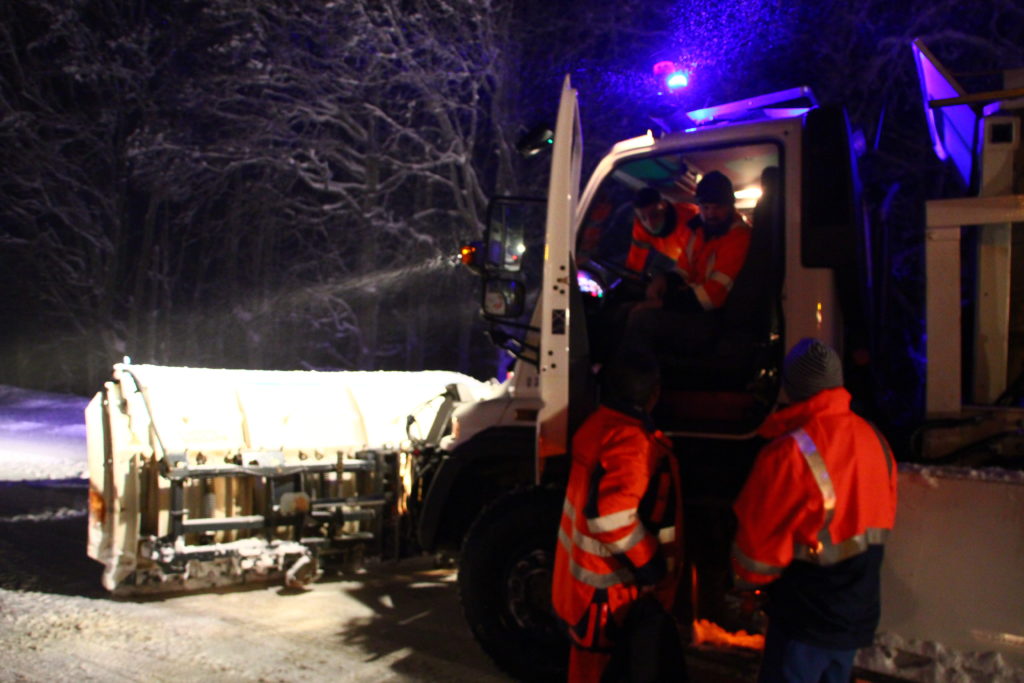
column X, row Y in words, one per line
column 393, row 622
column 42, row 436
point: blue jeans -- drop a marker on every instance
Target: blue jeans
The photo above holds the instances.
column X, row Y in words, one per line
column 791, row 661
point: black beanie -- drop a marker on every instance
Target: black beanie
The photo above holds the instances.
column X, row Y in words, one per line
column 646, row 197
column 810, row 367
column 715, row 188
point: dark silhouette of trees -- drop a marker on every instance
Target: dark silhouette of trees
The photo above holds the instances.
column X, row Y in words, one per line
column 282, row 185
column 259, row 185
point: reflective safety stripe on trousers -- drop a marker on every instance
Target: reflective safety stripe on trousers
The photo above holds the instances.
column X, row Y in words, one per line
column 595, row 547
column 826, row 552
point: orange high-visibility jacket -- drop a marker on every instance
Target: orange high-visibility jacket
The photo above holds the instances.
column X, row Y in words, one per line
column 621, row 525
column 710, row 266
column 670, row 245
column 821, row 492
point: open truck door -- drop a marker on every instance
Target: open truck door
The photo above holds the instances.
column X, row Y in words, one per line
column 557, row 319
column 508, row 553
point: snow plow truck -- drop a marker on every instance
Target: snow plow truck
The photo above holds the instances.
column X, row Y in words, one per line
column 202, row 477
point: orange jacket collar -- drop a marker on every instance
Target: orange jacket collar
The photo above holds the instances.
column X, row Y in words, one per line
column 829, row 401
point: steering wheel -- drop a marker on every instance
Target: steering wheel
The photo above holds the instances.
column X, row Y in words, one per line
column 620, row 271
column 614, row 280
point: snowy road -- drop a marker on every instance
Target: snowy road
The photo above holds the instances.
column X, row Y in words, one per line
column 391, row 622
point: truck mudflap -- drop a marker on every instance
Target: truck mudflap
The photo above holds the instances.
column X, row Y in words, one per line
column 202, row 477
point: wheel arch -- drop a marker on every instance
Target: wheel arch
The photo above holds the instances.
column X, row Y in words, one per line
column 505, row 572
column 493, row 462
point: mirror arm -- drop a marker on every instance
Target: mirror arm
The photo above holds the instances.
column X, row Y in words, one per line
column 509, row 323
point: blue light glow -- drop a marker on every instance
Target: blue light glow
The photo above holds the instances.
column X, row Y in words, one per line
column 677, row 80
column 953, row 128
column 671, row 76
column 589, row 285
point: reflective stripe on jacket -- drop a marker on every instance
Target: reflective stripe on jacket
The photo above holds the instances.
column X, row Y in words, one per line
column 620, row 525
column 710, row 266
column 821, row 492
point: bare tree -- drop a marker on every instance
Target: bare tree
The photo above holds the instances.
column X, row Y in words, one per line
column 241, row 183
column 281, row 184
column 68, row 98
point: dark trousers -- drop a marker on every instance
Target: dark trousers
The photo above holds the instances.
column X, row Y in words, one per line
column 791, row 661
column 648, row 648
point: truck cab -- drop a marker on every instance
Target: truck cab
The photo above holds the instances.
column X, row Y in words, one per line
column 550, row 273
column 547, row 292
column 791, row 165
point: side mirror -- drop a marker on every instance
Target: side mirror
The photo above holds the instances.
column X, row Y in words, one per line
column 536, row 140
column 503, row 298
column 831, row 192
column 514, row 226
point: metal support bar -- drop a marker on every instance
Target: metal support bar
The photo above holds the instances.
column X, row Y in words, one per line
column 358, row 465
column 177, row 511
column 204, row 524
column 354, row 501
column 176, row 471
column 953, row 213
column 346, row 516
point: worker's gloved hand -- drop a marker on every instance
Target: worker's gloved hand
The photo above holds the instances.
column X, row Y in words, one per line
column 656, row 288
column 679, row 296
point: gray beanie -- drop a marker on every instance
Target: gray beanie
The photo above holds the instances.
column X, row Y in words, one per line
column 810, row 367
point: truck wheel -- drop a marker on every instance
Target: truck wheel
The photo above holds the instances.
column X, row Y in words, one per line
column 505, row 584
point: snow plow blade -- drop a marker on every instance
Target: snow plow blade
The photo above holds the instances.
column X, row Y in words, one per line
column 953, row 568
column 206, row 477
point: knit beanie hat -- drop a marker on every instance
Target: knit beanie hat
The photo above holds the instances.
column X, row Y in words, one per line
column 810, row 367
column 715, row 188
column 646, row 197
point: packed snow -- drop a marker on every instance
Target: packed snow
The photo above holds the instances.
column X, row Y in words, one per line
column 396, row 622
column 42, row 436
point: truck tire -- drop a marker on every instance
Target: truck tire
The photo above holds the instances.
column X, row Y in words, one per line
column 505, row 584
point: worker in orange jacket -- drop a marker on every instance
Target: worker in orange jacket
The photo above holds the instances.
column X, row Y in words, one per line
column 680, row 310
column 709, row 246
column 812, row 520
column 660, row 232
column 621, row 526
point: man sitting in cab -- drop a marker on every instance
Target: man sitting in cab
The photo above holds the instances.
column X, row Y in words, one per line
column 678, row 314
column 659, row 232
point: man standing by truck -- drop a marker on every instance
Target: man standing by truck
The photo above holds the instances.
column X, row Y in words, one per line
column 620, row 532
column 812, row 520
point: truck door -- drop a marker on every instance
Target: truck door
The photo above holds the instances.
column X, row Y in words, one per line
column 558, row 288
